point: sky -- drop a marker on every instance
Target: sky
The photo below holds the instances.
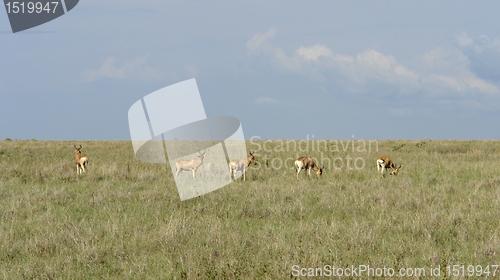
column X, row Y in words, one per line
column 285, row 69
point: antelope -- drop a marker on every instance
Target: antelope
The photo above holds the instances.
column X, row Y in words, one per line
column 80, row 160
column 307, row 163
column 189, row 164
column 241, row 165
column 384, row 163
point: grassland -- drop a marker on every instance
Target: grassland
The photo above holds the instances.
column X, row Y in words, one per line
column 124, row 219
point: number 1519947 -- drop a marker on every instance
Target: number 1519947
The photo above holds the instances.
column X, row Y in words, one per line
column 478, row 270
column 31, row 7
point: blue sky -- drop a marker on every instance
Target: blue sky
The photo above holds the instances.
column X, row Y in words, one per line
column 285, row 69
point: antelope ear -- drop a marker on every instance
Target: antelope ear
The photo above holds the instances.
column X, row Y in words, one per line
column 75, row 146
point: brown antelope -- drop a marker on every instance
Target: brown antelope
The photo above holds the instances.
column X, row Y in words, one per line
column 241, row 165
column 307, row 163
column 80, row 160
column 384, row 163
column 189, row 164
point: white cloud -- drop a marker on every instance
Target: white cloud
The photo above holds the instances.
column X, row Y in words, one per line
column 442, row 59
column 485, row 42
column 313, row 52
column 464, row 40
column 256, row 43
column 444, row 71
column 483, row 57
column 372, row 65
column 481, row 85
column 283, row 61
column 450, row 69
column 488, row 43
column 375, row 60
column 444, row 82
column 136, row 68
column 265, row 100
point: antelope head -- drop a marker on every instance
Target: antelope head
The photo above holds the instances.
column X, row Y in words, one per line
column 395, row 170
column 319, row 172
column 251, row 158
column 201, row 155
column 77, row 150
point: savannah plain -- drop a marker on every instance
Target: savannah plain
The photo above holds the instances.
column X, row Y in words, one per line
column 123, row 218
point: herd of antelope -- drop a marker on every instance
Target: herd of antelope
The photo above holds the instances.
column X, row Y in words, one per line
column 241, row 165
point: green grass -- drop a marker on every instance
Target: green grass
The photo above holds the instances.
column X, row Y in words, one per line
column 124, row 218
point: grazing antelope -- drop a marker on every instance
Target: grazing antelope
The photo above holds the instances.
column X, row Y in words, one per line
column 80, row 160
column 241, row 165
column 384, row 163
column 307, row 163
column 189, row 164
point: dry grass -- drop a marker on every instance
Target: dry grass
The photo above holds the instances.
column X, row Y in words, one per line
column 124, row 219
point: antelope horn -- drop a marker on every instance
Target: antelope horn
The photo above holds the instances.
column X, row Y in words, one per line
column 80, row 147
column 251, row 153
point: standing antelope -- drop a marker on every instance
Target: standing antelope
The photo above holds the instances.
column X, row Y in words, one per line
column 241, row 165
column 80, row 160
column 307, row 163
column 384, row 163
column 189, row 164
